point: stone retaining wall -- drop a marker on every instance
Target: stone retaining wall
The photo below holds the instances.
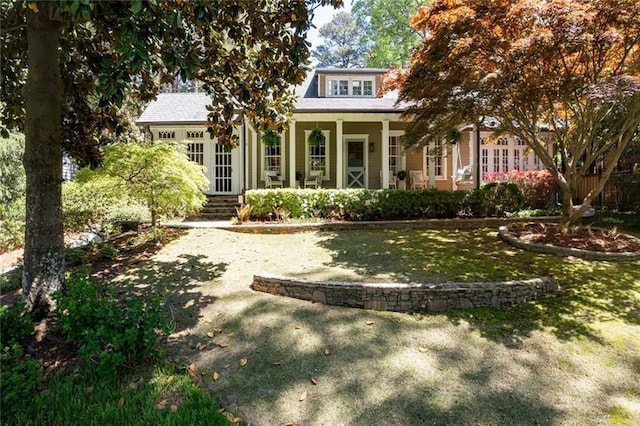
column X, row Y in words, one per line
column 427, row 297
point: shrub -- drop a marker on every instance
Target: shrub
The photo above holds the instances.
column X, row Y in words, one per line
column 353, row 204
column 85, row 204
column 12, row 192
column 494, row 199
column 20, row 378
column 627, row 186
column 125, row 216
column 108, row 331
column 160, row 176
column 538, row 187
column 15, row 324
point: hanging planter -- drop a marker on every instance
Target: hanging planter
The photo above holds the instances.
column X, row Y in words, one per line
column 316, row 137
column 271, row 138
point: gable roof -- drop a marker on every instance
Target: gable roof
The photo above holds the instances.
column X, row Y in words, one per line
column 190, row 108
column 176, row 108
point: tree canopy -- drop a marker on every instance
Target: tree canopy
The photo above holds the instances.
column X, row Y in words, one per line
column 389, row 38
column 343, row 43
column 67, row 67
column 571, row 67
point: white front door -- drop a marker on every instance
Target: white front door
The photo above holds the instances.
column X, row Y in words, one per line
column 356, row 162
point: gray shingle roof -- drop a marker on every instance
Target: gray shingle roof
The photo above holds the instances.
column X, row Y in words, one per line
column 173, row 108
column 186, row 108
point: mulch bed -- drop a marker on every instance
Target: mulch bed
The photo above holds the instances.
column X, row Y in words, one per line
column 584, row 238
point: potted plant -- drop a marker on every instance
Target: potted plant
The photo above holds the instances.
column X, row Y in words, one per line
column 270, row 138
column 316, row 137
column 401, row 175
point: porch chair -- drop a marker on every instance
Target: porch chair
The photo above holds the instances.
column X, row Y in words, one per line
column 392, row 180
column 272, row 179
column 314, row 179
column 417, row 179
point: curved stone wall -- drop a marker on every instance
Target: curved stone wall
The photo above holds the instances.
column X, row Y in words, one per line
column 504, row 234
column 415, row 297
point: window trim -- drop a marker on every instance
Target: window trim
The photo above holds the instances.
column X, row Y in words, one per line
column 350, row 79
column 263, row 157
column 307, row 157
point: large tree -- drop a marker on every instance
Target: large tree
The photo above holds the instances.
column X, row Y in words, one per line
column 389, row 38
column 69, row 64
column 342, row 43
column 571, row 67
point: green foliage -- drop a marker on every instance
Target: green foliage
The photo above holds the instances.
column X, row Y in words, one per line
column 342, row 46
column 21, row 376
column 11, row 280
column 389, row 38
column 108, row 331
column 270, row 137
column 12, row 177
column 12, row 192
column 125, row 215
column 15, row 324
column 354, row 204
column 161, row 176
column 86, row 203
column 494, row 199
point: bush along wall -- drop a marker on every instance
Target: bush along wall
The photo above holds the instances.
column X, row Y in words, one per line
column 497, row 199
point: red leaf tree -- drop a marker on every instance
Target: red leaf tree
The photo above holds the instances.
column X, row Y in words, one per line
column 570, row 66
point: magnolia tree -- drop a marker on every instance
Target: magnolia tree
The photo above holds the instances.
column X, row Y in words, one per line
column 67, row 64
column 568, row 66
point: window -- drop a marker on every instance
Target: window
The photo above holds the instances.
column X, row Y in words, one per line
column 350, row 86
column 496, row 160
column 356, row 88
column 195, row 134
column 166, row 135
column 368, row 88
column 505, row 160
column 437, row 152
column 397, row 157
column 195, row 152
column 339, row 87
column 516, row 159
column 485, row 161
column 273, row 158
column 317, row 156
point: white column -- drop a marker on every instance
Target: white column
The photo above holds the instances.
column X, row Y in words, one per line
column 455, row 165
column 474, row 155
column 292, row 154
column 254, row 157
column 385, row 154
column 431, row 164
column 339, row 155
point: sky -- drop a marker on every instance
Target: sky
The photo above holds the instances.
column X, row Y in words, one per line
column 322, row 16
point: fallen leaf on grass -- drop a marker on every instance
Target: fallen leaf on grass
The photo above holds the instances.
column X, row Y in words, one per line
column 215, row 376
column 121, row 402
column 423, row 350
column 231, row 334
column 303, row 396
column 170, row 378
column 297, row 327
column 277, row 362
column 202, row 346
column 191, row 369
column 369, row 322
column 135, row 384
column 210, row 334
column 243, row 362
column 226, row 366
column 174, row 408
column 314, row 380
column 223, row 344
column 162, row 404
column 207, row 321
column 327, row 351
column 217, row 330
column 89, row 389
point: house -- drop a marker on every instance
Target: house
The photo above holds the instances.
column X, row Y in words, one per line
column 362, row 140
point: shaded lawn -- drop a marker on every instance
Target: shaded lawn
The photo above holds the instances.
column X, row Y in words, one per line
column 572, row 358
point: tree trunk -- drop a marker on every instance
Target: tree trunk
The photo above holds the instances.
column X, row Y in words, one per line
column 44, row 238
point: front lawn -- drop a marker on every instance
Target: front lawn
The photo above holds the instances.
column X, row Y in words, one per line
column 571, row 358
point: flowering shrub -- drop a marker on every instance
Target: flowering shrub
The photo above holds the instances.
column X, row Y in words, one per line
column 538, row 187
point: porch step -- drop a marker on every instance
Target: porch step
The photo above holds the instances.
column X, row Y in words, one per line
column 219, row 207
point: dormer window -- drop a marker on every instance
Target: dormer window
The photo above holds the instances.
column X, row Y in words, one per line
column 345, row 86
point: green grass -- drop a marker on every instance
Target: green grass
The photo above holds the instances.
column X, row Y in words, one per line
column 129, row 399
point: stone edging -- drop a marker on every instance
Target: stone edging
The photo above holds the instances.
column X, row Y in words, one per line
column 504, row 234
column 414, row 297
column 457, row 223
